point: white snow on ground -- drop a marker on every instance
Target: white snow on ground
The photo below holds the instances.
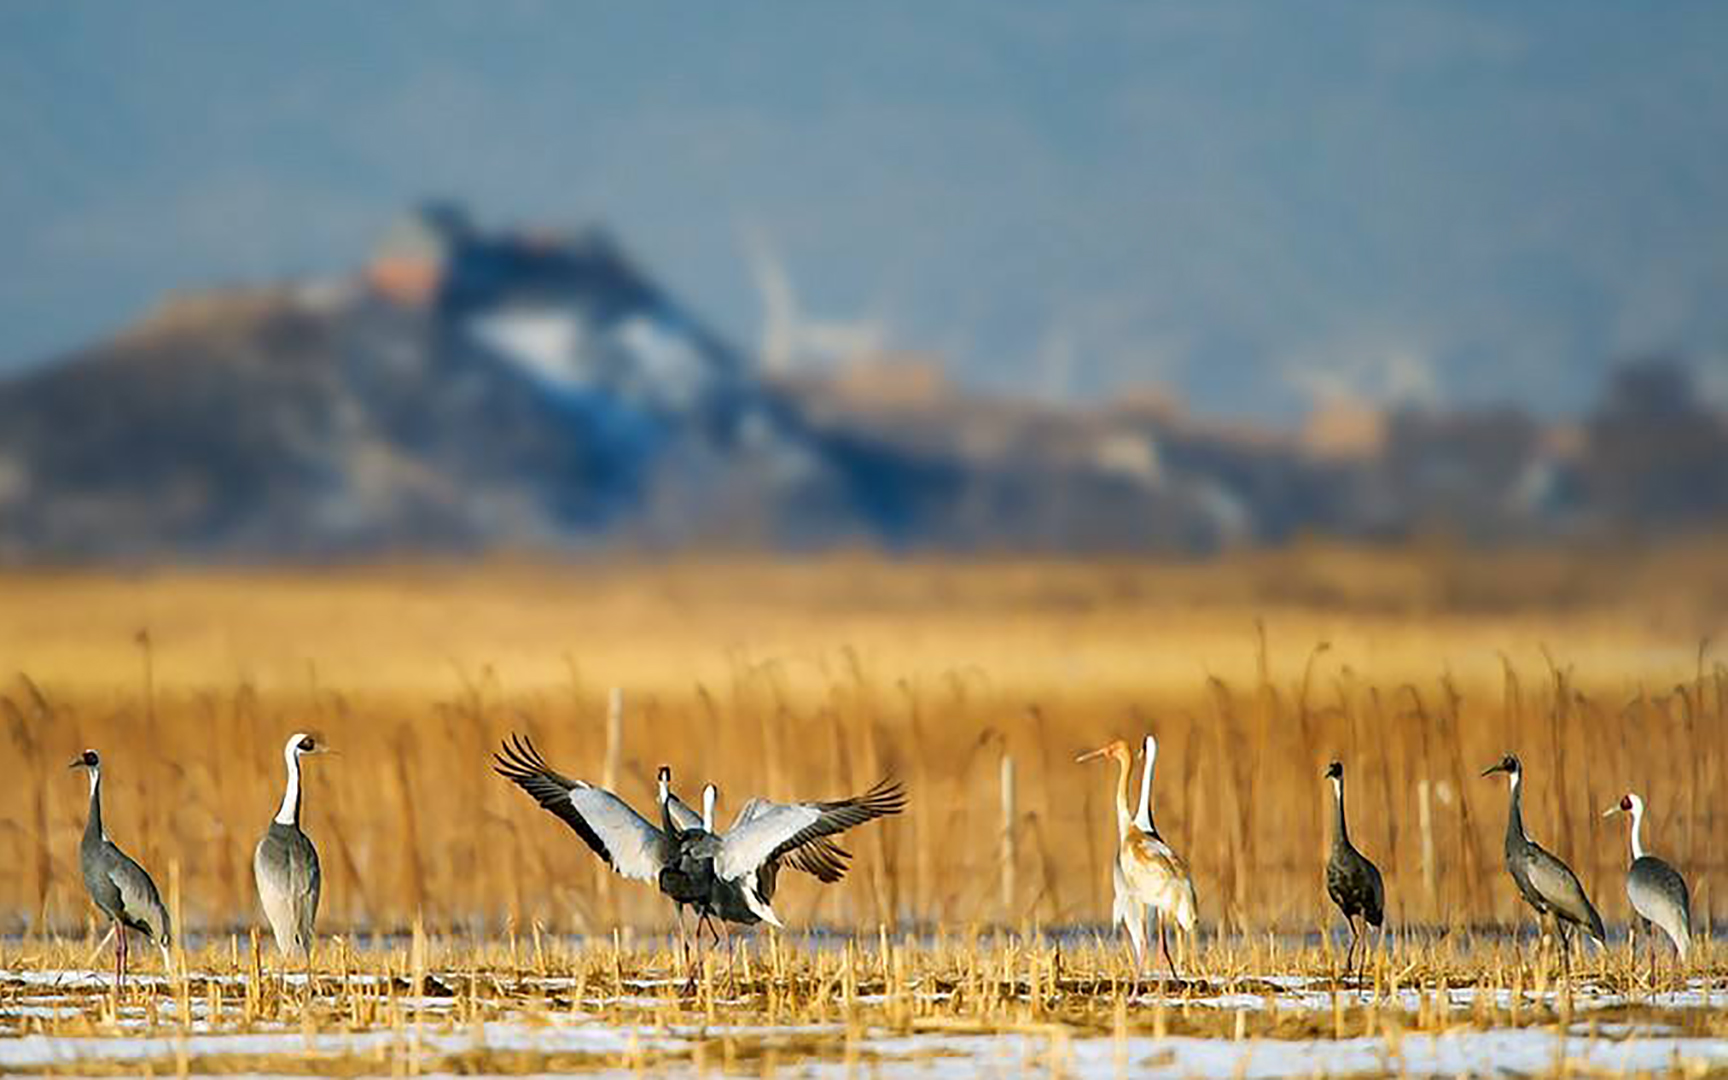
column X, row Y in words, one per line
column 952, row 1056
column 1615, row 1047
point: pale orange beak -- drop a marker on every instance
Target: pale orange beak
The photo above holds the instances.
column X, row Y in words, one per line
column 1098, row 753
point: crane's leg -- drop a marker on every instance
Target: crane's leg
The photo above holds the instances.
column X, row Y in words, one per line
column 120, row 945
column 1135, row 947
column 1359, row 945
column 691, row 970
column 1565, row 949
column 1350, row 953
column 683, row 936
column 1650, row 937
column 1164, row 947
column 1132, row 947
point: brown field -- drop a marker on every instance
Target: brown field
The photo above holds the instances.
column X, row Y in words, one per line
column 809, row 679
column 878, row 1004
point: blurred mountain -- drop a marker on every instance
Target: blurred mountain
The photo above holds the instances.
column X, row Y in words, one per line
column 473, row 389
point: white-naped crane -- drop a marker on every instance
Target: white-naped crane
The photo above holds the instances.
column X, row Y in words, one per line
column 1147, row 874
column 1657, row 891
column 1545, row 883
column 1352, row 881
column 285, row 864
column 728, row 875
column 117, row 884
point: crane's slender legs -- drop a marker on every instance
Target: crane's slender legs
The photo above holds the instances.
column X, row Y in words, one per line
column 1135, row 946
column 683, row 936
column 1362, row 958
column 1350, row 953
column 1164, row 947
column 119, row 956
column 1565, row 940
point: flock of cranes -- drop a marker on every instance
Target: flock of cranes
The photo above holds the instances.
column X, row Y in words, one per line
column 1148, row 876
column 729, row 877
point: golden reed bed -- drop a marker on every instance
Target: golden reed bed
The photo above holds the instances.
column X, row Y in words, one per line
column 806, row 679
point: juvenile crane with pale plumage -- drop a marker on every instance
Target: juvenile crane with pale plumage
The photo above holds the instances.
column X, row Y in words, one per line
column 1147, row 874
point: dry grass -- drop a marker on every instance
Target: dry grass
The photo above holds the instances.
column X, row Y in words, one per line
column 810, row 679
column 780, row 1002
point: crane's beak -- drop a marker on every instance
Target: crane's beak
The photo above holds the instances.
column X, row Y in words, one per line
column 77, row 763
column 1611, row 811
column 1090, row 754
column 1492, row 769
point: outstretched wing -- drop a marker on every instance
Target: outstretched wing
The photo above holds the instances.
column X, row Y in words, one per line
column 768, row 831
column 606, row 823
column 821, row 858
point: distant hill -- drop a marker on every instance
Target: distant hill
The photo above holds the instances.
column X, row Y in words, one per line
column 472, row 390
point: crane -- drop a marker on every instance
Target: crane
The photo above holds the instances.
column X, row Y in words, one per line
column 1657, row 891
column 1147, row 873
column 117, row 884
column 1352, row 881
column 727, row 875
column 285, row 864
column 1547, row 884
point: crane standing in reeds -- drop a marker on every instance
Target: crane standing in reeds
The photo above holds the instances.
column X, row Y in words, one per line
column 117, row 884
column 1352, row 881
column 1657, row 891
column 1546, row 883
column 1147, row 872
column 285, row 863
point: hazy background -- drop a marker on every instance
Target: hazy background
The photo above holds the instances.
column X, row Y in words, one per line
column 1254, row 204
column 336, row 280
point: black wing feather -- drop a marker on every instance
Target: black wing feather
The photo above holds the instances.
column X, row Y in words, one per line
column 522, row 765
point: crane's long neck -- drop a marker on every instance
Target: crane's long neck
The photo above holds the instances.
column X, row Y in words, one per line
column 1143, row 813
column 1637, row 829
column 1124, row 819
column 708, row 808
column 1341, row 829
column 93, row 830
column 1515, row 811
column 663, row 794
column 289, row 814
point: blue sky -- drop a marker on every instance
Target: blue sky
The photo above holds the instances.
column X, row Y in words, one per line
column 1255, row 204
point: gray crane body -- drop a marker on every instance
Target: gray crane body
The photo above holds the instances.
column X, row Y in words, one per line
column 1657, row 891
column 285, row 864
column 1546, row 884
column 1352, row 881
column 117, row 884
column 1659, row 894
